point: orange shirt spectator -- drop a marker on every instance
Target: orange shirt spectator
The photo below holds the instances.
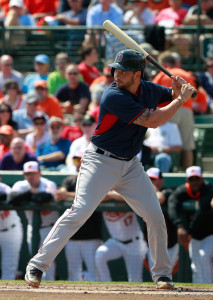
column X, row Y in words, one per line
column 162, row 79
column 49, row 104
column 51, row 107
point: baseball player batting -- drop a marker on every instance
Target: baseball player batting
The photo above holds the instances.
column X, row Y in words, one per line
column 127, row 108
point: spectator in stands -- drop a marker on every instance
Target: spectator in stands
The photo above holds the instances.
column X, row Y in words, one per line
column 206, row 78
column 184, row 117
column 104, row 10
column 171, row 16
column 12, row 95
column 40, row 9
column 4, row 5
column 57, row 78
column 157, row 6
column 11, row 236
column 126, row 240
column 6, row 136
column 82, row 246
column 36, row 189
column 41, row 66
column 150, row 71
column 52, row 154
column 206, row 14
column 195, row 230
column 97, row 88
column 139, row 15
column 164, row 140
column 17, row 15
column 6, row 116
column 63, row 6
column 76, row 15
column 23, row 117
column 87, row 68
column 200, row 103
column 17, row 156
column 7, row 71
column 74, row 95
column 47, row 103
column 40, row 133
column 97, row 14
column 163, row 194
column 74, row 131
column 80, row 144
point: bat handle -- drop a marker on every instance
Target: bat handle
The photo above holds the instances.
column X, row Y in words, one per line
column 159, row 66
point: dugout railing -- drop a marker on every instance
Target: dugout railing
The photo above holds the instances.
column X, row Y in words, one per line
column 182, row 272
column 193, row 43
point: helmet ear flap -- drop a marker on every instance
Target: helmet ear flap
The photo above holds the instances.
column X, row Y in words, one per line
column 112, row 71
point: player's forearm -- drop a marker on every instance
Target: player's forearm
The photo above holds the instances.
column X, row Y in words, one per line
column 159, row 116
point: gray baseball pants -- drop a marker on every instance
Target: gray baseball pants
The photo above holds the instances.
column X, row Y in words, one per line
column 99, row 174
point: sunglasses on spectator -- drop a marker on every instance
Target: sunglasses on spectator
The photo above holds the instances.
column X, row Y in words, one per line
column 4, row 111
column 78, row 120
column 210, row 66
column 40, row 88
column 194, row 178
column 3, row 135
column 33, row 103
column 73, row 73
column 12, row 88
column 8, row 65
column 55, row 127
column 39, row 123
column 17, row 147
column 86, row 125
column 60, row 63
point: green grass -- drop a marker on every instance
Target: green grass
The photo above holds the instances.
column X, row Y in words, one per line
column 110, row 283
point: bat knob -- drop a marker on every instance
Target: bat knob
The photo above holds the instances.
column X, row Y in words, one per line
column 194, row 94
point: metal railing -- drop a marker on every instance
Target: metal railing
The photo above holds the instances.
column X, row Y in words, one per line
column 24, row 42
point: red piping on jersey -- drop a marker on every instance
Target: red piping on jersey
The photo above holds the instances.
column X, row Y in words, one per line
column 107, row 122
column 137, row 116
column 63, row 217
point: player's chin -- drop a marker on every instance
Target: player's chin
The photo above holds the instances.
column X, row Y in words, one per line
column 119, row 84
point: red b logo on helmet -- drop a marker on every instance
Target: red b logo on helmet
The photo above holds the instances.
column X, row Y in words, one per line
column 120, row 57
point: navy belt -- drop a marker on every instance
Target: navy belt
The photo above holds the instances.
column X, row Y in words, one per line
column 100, row 151
column 6, row 229
column 128, row 241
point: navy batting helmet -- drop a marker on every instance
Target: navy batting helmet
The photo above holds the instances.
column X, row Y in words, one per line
column 129, row 60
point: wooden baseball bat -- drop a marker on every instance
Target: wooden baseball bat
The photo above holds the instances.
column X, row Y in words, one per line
column 130, row 43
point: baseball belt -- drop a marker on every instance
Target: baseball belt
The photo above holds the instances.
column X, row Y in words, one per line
column 100, row 151
column 128, row 241
column 6, row 229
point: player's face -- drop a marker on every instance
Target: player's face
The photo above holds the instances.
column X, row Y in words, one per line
column 33, row 178
column 124, row 79
column 195, row 183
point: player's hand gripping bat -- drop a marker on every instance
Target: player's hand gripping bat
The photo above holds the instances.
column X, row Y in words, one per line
column 130, row 43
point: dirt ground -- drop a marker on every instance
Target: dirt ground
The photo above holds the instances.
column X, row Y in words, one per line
column 95, row 291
